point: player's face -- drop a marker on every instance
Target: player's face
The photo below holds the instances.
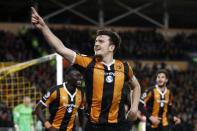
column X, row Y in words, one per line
column 161, row 79
column 103, row 46
column 27, row 101
column 75, row 78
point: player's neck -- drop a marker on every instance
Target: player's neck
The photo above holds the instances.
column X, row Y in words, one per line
column 70, row 88
column 26, row 105
column 162, row 88
column 108, row 59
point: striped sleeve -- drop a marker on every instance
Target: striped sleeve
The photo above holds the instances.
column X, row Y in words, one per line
column 128, row 71
column 82, row 60
column 146, row 96
column 49, row 97
column 172, row 111
column 82, row 105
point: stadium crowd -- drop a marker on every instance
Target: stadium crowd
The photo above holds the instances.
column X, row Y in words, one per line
column 144, row 45
column 150, row 45
column 136, row 45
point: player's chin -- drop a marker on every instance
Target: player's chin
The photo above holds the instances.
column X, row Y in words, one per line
column 98, row 56
column 78, row 84
column 160, row 84
column 98, row 53
column 79, row 87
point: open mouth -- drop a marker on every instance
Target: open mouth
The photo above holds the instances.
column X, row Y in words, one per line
column 79, row 83
column 160, row 83
column 97, row 51
column 97, row 48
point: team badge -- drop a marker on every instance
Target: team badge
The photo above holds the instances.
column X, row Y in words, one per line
column 118, row 67
column 161, row 104
column 69, row 109
column 109, row 79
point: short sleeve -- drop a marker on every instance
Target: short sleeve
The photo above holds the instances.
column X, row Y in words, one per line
column 82, row 60
column 146, row 96
column 49, row 97
column 171, row 99
column 82, row 105
column 128, row 71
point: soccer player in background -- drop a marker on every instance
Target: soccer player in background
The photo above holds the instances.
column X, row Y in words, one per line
column 105, row 78
column 63, row 102
column 157, row 102
column 23, row 118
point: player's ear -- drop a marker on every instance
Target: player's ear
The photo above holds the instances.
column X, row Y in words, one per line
column 112, row 47
column 166, row 80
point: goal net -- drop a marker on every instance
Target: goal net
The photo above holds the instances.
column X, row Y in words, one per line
column 30, row 78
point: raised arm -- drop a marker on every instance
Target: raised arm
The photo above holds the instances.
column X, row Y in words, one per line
column 52, row 40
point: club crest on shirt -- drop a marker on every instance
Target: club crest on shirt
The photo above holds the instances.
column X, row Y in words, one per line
column 118, row 67
column 109, row 79
column 70, row 109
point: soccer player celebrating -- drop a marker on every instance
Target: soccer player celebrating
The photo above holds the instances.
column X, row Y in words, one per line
column 63, row 102
column 158, row 103
column 105, row 78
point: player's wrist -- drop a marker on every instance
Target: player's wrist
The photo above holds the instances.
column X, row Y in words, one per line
column 150, row 118
column 47, row 124
column 44, row 28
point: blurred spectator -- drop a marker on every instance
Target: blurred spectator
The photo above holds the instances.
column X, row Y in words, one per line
column 149, row 45
column 5, row 116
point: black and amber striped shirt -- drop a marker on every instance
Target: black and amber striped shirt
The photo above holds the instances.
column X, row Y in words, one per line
column 157, row 104
column 62, row 106
column 104, row 88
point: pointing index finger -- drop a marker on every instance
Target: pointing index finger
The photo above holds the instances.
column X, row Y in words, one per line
column 34, row 11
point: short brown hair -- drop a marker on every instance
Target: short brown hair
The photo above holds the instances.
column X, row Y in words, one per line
column 163, row 71
column 114, row 36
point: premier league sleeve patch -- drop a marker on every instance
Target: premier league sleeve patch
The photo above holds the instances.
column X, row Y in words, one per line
column 46, row 96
